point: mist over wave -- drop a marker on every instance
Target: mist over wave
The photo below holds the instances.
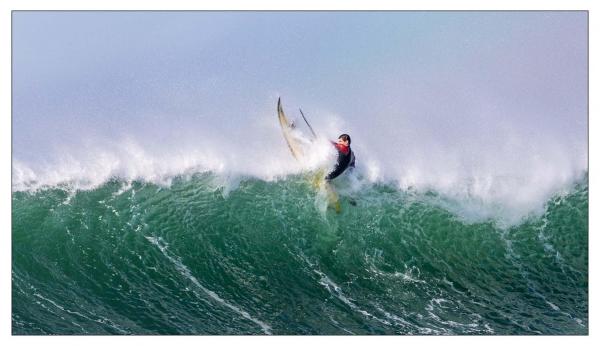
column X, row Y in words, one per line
column 505, row 177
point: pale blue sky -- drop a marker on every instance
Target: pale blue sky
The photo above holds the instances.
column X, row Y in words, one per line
column 168, row 75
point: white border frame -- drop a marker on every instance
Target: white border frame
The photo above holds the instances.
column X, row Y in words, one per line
column 7, row 6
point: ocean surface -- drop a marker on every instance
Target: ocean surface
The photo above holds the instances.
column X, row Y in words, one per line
column 207, row 254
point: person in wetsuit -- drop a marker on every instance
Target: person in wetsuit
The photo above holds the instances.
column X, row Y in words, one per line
column 345, row 157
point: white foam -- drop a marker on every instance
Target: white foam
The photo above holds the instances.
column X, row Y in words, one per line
column 504, row 175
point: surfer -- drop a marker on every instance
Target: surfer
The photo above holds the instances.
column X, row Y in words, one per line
column 345, row 157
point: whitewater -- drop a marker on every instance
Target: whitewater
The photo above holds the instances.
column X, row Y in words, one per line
column 499, row 172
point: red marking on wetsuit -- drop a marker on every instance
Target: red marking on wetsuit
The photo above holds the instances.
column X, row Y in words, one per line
column 344, row 149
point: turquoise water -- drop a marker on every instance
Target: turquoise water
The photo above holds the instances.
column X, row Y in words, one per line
column 265, row 258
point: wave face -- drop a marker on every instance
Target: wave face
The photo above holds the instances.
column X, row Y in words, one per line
column 214, row 255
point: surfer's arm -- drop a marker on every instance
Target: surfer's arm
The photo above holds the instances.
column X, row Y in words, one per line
column 335, row 173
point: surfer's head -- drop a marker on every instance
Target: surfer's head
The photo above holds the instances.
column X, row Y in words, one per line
column 344, row 139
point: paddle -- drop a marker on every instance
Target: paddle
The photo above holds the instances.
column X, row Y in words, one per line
column 310, row 127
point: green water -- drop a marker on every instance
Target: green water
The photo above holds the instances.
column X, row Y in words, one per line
column 266, row 258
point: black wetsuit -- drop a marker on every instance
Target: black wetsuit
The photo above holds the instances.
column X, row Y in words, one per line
column 343, row 161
